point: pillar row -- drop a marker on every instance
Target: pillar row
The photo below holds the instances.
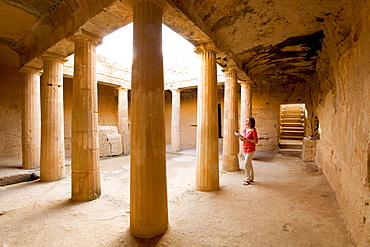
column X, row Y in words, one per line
column 148, row 189
column 175, row 123
column 85, row 135
column 52, row 159
column 123, row 128
column 31, row 118
column 207, row 170
column 230, row 141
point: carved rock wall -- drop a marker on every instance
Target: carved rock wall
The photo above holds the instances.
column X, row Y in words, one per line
column 11, row 98
column 343, row 108
column 266, row 101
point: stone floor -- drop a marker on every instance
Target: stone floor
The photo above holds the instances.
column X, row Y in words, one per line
column 290, row 204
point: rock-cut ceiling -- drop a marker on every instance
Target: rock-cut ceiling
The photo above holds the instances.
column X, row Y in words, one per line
column 270, row 40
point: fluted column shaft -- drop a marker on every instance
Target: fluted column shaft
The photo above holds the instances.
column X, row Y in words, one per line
column 245, row 105
column 246, row 102
column 123, row 129
column 175, row 123
column 31, row 119
column 148, row 189
column 52, row 160
column 230, row 141
column 85, row 135
column 207, row 170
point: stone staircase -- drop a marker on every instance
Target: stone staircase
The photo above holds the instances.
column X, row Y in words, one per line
column 291, row 129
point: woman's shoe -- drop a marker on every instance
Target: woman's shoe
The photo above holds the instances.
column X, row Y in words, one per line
column 246, row 183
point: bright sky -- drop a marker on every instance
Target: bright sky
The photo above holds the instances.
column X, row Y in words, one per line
column 118, row 47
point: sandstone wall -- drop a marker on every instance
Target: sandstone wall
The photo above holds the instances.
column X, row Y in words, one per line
column 108, row 105
column 189, row 117
column 188, row 111
column 266, row 100
column 68, row 98
column 11, row 98
column 343, row 108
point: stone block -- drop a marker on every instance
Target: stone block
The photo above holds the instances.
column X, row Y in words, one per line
column 308, row 150
column 110, row 141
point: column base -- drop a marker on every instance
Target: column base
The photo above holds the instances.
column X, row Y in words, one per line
column 86, row 186
column 230, row 163
column 142, row 233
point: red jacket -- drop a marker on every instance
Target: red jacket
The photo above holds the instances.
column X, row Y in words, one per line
column 249, row 147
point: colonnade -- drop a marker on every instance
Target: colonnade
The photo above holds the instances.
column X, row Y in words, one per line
column 148, row 185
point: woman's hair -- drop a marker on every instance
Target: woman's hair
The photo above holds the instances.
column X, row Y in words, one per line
column 253, row 122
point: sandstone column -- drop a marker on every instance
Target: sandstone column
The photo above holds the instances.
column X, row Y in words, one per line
column 85, row 134
column 52, row 160
column 207, row 170
column 31, row 119
column 148, row 185
column 245, row 105
column 175, row 123
column 246, row 101
column 123, row 119
column 230, row 141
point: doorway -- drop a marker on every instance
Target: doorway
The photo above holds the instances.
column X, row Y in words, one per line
column 292, row 129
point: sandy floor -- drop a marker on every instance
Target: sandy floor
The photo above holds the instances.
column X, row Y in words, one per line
column 290, row 204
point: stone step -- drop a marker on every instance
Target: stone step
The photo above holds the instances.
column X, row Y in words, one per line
column 290, row 146
column 293, row 132
column 291, row 152
column 292, row 137
column 292, row 128
column 292, row 124
column 297, row 119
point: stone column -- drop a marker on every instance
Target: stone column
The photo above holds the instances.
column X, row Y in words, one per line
column 245, row 105
column 207, row 167
column 230, row 141
column 175, row 123
column 31, row 118
column 123, row 129
column 85, row 133
column 52, row 160
column 148, row 185
column 246, row 101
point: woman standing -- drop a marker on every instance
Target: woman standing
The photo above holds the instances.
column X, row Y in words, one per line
column 250, row 139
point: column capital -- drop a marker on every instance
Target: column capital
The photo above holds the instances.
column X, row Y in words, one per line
column 230, row 69
column 30, row 70
column 176, row 90
column 83, row 35
column 159, row 2
column 248, row 81
column 206, row 47
column 51, row 56
column 122, row 89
